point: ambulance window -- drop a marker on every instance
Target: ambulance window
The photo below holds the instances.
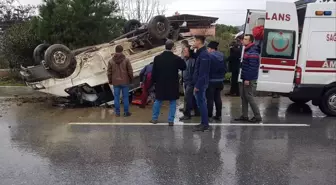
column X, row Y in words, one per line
column 278, row 44
column 260, row 21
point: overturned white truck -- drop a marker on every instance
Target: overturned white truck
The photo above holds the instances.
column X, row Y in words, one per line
column 81, row 74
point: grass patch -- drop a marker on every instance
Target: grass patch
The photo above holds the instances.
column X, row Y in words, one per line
column 8, row 81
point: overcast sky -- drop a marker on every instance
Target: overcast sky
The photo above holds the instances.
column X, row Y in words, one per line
column 230, row 12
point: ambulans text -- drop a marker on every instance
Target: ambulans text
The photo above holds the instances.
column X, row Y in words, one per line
column 278, row 17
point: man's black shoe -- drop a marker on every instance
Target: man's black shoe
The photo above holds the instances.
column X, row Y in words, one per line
column 206, row 128
column 217, row 118
column 197, row 114
column 181, row 109
column 242, row 118
column 128, row 114
column 171, row 124
column 255, row 120
column 153, row 121
column 184, row 118
column 201, row 128
column 228, row 94
column 197, row 126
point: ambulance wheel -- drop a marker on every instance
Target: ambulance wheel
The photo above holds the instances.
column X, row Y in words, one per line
column 299, row 101
column 328, row 102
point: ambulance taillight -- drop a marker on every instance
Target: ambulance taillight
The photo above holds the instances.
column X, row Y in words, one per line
column 298, row 75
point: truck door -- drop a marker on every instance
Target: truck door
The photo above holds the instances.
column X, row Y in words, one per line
column 279, row 48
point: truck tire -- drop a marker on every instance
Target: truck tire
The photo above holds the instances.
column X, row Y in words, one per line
column 38, row 53
column 299, row 101
column 131, row 25
column 328, row 102
column 159, row 27
column 59, row 58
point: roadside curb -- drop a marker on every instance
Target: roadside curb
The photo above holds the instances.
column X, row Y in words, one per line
column 15, row 91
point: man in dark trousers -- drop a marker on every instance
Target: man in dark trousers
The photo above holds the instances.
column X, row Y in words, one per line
column 201, row 81
column 189, row 98
column 234, row 65
column 216, row 81
column 249, row 76
column 165, row 78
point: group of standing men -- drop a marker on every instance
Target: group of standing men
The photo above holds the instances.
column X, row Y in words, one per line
column 203, row 73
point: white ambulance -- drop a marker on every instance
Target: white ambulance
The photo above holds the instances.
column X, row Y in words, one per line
column 298, row 51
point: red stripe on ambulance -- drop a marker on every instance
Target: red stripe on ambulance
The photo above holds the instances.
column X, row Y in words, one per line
column 276, row 68
column 321, row 63
column 320, row 71
column 315, row 63
column 280, row 62
column 324, row 65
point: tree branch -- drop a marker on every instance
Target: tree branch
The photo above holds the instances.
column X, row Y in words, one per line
column 142, row 10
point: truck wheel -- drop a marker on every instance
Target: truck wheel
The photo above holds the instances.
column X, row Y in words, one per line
column 131, row 25
column 158, row 27
column 59, row 58
column 328, row 102
column 38, row 53
column 299, row 101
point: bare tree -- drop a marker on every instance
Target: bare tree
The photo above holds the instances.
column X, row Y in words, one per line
column 10, row 13
column 142, row 10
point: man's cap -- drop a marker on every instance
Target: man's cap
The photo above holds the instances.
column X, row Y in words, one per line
column 213, row 45
column 239, row 35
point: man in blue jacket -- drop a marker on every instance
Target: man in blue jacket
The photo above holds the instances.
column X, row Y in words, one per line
column 201, row 81
column 216, row 80
column 189, row 98
column 249, row 76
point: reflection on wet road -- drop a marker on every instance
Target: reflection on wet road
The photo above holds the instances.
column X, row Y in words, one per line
column 38, row 146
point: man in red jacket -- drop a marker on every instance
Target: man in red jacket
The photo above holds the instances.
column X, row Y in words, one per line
column 146, row 83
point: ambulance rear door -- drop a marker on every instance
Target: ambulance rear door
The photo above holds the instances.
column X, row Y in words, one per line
column 279, row 48
column 254, row 18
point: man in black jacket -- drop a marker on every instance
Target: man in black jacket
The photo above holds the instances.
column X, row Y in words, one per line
column 189, row 98
column 201, row 81
column 234, row 65
column 165, row 78
column 216, row 80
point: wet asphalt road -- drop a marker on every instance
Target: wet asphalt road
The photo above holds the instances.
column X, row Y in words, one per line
column 38, row 146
